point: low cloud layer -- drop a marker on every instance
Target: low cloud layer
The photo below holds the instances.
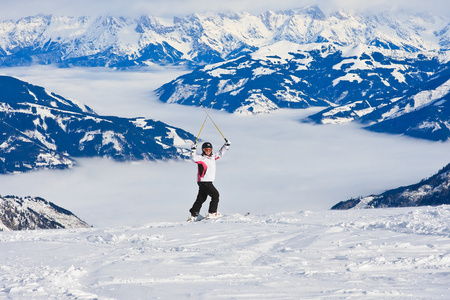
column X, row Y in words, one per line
column 275, row 162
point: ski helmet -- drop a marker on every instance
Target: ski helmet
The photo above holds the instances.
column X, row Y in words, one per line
column 206, row 145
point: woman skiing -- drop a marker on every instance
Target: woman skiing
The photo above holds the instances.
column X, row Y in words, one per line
column 206, row 174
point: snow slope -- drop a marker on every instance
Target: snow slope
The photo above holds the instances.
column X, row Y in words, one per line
column 371, row 254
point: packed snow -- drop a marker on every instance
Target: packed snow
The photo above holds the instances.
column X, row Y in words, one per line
column 287, row 174
column 370, row 254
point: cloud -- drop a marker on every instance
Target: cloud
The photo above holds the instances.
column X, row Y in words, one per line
column 170, row 8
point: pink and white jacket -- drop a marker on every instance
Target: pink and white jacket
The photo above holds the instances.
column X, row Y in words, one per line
column 207, row 164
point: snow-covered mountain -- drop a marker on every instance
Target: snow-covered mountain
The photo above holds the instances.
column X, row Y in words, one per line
column 431, row 191
column 17, row 213
column 386, row 69
column 288, row 75
column 388, row 86
column 44, row 130
column 389, row 91
column 205, row 38
column 417, row 108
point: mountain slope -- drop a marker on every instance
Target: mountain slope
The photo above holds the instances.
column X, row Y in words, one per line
column 382, row 254
column 432, row 191
column 28, row 213
column 424, row 114
column 42, row 130
column 417, row 110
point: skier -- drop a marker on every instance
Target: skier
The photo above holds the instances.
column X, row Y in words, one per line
column 206, row 174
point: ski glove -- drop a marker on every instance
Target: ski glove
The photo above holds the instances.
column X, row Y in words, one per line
column 194, row 147
column 227, row 143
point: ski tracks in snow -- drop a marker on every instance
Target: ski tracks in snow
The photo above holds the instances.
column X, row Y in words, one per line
column 389, row 253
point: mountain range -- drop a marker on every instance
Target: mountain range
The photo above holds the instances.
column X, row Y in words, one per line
column 206, row 38
column 386, row 90
column 288, row 75
column 17, row 213
column 388, row 70
column 390, row 75
column 44, row 130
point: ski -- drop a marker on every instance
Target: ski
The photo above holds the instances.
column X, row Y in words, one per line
column 214, row 216
column 196, row 219
column 208, row 217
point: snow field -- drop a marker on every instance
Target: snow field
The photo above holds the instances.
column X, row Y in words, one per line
column 375, row 254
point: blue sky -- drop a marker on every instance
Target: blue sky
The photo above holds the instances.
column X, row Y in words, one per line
column 170, row 8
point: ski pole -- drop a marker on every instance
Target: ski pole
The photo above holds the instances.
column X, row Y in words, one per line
column 207, row 115
column 203, row 121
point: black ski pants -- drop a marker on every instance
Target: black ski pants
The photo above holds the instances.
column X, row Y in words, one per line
column 205, row 189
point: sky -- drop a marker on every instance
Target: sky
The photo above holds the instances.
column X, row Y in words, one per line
column 170, row 8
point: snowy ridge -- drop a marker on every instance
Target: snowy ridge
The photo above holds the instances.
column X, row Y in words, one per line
column 388, row 253
column 205, row 38
column 27, row 213
column 431, row 191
